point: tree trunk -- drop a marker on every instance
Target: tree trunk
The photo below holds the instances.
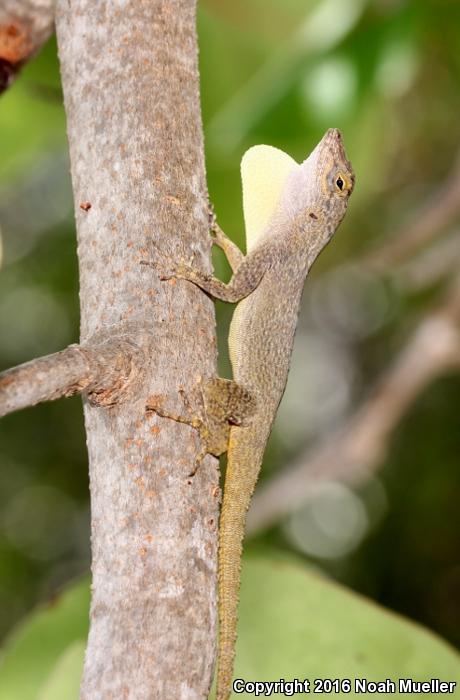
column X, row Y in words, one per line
column 131, row 87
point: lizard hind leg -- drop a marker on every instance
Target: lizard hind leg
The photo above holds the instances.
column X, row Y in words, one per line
column 211, row 407
column 164, row 406
column 225, row 403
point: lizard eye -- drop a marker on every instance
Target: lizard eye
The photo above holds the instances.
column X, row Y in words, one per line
column 342, row 183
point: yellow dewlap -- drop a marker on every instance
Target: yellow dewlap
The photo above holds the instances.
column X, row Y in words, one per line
column 264, row 171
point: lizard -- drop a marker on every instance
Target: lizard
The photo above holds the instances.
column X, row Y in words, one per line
column 291, row 212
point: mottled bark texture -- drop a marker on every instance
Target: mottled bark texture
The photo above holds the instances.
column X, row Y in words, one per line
column 130, row 80
column 25, row 25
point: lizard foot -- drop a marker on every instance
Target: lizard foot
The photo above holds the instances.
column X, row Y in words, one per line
column 169, row 268
column 212, row 406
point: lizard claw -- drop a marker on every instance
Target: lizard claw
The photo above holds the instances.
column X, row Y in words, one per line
column 156, row 266
column 166, row 276
column 164, row 266
column 211, row 215
column 168, row 268
column 198, row 460
column 149, row 263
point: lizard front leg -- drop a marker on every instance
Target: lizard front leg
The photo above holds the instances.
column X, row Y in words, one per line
column 233, row 254
column 244, row 281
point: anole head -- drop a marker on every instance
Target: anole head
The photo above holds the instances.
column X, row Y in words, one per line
column 320, row 188
column 333, row 167
column 277, row 191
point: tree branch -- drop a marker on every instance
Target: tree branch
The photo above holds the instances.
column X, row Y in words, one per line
column 131, row 88
column 25, row 25
column 438, row 262
column 360, row 444
column 104, row 372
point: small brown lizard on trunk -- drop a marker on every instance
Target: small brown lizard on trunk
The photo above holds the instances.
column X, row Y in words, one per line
column 291, row 213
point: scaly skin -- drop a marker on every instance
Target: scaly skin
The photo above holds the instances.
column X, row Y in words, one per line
column 268, row 283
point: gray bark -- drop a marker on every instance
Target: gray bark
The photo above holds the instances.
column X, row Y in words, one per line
column 106, row 373
column 130, row 80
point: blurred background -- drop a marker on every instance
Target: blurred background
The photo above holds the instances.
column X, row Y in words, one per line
column 362, row 474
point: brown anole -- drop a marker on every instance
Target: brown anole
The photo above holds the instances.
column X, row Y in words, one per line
column 291, row 213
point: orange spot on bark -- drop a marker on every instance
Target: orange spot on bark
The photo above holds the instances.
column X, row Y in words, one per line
column 15, row 43
column 85, row 206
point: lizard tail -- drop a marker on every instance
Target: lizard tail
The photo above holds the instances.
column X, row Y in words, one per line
column 245, row 455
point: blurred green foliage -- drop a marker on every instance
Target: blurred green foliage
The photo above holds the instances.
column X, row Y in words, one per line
column 46, row 645
column 387, row 73
column 283, row 633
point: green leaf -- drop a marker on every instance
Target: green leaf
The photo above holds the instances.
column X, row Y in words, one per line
column 64, row 679
column 294, row 624
column 297, row 624
column 32, row 119
column 33, row 650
